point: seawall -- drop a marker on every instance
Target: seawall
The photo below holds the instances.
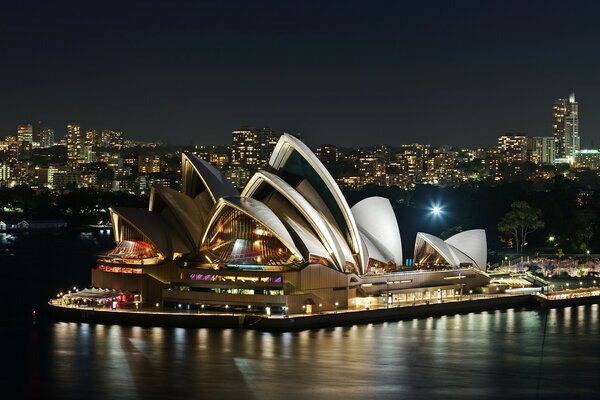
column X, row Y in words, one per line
column 282, row 324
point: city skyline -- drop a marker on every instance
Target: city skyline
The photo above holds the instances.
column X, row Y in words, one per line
column 384, row 73
column 565, row 124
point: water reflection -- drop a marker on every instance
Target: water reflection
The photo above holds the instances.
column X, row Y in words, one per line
column 501, row 354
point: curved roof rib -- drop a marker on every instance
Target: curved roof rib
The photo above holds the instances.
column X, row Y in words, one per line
column 374, row 251
column 293, row 159
column 375, row 218
column 451, row 254
column 210, row 178
column 182, row 212
column 152, row 227
column 337, row 249
column 473, row 243
column 259, row 212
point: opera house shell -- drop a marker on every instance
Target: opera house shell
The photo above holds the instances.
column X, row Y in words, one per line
column 464, row 248
column 288, row 241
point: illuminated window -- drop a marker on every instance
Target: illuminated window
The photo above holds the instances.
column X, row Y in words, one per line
column 236, row 238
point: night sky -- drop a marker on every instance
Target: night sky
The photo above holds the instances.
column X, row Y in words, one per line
column 349, row 73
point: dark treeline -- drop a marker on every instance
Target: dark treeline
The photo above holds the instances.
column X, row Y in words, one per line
column 79, row 207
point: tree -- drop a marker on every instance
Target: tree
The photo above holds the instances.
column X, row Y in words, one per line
column 521, row 220
column 451, row 232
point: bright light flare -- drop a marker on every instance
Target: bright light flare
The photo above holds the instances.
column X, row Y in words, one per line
column 436, row 210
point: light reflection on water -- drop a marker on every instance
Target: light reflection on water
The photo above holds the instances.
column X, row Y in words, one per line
column 495, row 354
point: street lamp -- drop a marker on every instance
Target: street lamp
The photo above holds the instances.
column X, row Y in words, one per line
column 336, row 306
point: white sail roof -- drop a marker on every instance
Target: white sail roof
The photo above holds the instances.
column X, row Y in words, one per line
column 473, row 243
column 375, row 218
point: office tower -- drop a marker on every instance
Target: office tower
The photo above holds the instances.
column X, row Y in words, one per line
column 565, row 126
column 47, row 137
column 25, row 133
column 73, row 142
column 542, row 150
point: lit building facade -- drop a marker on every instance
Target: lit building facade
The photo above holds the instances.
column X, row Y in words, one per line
column 565, row 126
column 542, row 150
column 513, row 148
column 47, row 137
column 327, row 153
column 25, row 133
column 74, row 145
column 589, row 159
column 111, row 138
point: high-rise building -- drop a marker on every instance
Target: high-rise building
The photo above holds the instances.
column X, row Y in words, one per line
column 47, row 137
column 245, row 147
column 512, row 148
column 572, row 143
column 73, row 142
column 542, row 150
column 25, row 133
column 565, row 126
column 252, row 147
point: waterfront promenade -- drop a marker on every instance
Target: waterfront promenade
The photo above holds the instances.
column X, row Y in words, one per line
column 148, row 316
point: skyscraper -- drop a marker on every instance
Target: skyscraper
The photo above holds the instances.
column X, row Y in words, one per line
column 73, row 141
column 25, row 133
column 565, row 126
column 542, row 150
column 47, row 137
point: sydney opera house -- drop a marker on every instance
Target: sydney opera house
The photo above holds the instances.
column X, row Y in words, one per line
column 289, row 242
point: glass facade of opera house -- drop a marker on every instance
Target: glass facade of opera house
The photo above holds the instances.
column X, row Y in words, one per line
column 289, row 241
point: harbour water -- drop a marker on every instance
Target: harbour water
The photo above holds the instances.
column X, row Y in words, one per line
column 512, row 353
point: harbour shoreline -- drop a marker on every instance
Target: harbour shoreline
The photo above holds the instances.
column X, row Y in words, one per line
column 261, row 322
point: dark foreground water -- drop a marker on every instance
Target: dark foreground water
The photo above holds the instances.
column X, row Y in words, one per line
column 498, row 354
